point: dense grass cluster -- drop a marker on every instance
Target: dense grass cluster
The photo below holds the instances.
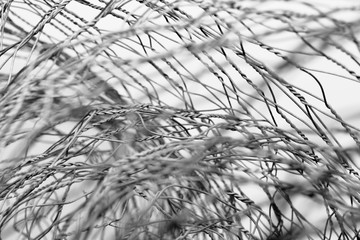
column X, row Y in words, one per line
column 179, row 119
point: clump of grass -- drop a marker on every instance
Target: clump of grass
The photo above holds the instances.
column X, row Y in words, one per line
column 178, row 120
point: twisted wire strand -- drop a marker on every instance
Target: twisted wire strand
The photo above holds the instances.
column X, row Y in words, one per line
column 178, row 120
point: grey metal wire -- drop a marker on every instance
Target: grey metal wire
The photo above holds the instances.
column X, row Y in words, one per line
column 177, row 120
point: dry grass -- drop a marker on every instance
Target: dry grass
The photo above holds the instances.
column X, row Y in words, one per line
column 178, row 120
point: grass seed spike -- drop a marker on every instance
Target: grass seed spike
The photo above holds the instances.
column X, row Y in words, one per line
column 178, row 120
